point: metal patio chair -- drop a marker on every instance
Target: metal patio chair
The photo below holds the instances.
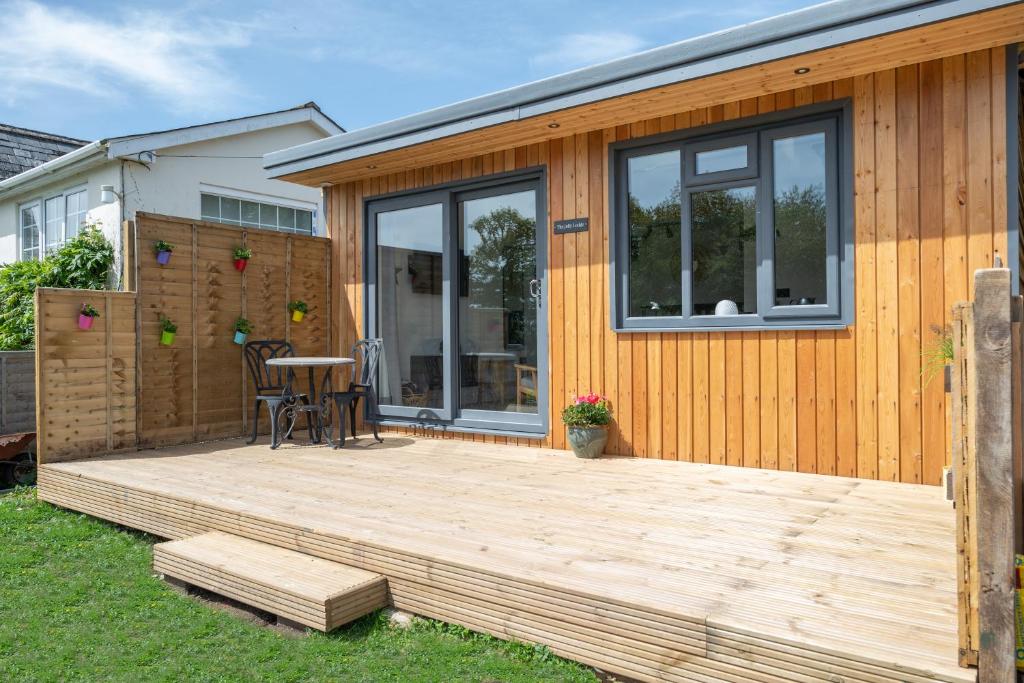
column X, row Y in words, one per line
column 270, row 384
column 367, row 353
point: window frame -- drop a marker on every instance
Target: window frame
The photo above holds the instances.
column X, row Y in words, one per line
column 259, row 200
column 40, row 226
column 838, row 313
column 42, row 200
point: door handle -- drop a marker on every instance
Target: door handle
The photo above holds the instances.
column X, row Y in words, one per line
column 535, row 289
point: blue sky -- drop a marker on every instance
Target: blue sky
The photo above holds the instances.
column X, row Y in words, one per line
column 97, row 69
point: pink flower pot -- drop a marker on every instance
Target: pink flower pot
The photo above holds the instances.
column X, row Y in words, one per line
column 84, row 321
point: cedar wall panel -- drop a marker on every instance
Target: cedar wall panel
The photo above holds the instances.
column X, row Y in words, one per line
column 929, row 164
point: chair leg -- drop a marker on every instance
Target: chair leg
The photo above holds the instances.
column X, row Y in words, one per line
column 255, row 421
column 352, row 413
column 309, row 420
column 275, row 440
column 371, row 407
column 340, row 405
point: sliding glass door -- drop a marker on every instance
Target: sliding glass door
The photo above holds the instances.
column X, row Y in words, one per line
column 455, row 289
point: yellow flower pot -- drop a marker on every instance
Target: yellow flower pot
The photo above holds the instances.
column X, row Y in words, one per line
column 297, row 316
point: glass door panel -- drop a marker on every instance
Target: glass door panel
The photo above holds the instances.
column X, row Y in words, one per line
column 412, row 313
column 498, row 299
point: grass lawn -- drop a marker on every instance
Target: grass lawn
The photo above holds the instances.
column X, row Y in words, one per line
column 78, row 601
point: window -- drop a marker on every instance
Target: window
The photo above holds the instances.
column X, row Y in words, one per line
column 45, row 225
column 254, row 214
column 735, row 225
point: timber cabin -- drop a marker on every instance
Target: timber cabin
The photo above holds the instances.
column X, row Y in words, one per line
column 747, row 241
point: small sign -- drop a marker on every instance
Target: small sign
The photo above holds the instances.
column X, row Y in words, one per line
column 572, row 225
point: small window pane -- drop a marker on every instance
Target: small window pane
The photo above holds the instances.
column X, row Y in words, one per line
column 250, row 214
column 286, row 217
column 53, row 213
column 724, row 249
column 30, row 219
column 229, row 209
column 268, row 216
column 800, row 220
column 655, row 271
column 304, row 220
column 76, row 208
column 726, row 159
column 210, row 206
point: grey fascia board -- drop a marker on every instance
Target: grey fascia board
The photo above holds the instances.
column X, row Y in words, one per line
column 128, row 146
column 71, row 163
column 787, row 35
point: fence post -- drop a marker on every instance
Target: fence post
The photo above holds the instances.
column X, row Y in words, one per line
column 991, row 369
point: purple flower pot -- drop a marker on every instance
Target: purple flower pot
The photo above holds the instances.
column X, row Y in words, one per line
column 162, row 257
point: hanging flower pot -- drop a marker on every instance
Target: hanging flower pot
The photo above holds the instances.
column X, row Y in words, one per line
column 242, row 256
column 242, row 329
column 163, row 252
column 86, row 315
column 167, row 330
column 299, row 309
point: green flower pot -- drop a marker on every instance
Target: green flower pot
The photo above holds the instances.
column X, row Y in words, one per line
column 588, row 442
column 167, row 338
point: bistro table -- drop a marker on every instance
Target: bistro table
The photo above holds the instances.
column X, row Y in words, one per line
column 319, row 405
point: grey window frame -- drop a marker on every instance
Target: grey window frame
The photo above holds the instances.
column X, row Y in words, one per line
column 710, row 144
column 838, row 313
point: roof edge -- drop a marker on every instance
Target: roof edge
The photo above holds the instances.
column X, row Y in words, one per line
column 773, row 38
column 73, row 162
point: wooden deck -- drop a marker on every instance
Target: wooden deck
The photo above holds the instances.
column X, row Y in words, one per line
column 656, row 570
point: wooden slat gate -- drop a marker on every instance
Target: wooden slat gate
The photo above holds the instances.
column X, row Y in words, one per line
column 986, row 383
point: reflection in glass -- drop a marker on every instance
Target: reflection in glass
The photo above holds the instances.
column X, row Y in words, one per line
column 725, row 159
column 724, row 249
column 497, row 315
column 410, row 305
column 800, row 223
column 654, row 235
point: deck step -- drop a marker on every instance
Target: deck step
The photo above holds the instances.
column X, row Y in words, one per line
column 300, row 588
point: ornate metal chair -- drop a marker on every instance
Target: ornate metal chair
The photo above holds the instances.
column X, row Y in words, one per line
column 367, row 353
column 270, row 383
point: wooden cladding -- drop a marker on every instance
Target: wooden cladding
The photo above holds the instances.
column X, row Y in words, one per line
column 85, row 379
column 198, row 388
column 930, row 208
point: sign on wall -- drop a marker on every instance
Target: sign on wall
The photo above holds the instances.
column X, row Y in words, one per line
column 572, row 225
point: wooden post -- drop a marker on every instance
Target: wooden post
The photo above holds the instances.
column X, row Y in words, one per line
column 991, row 386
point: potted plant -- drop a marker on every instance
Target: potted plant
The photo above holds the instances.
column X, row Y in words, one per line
column 587, row 419
column 299, row 308
column 163, row 252
column 242, row 329
column 242, row 256
column 86, row 315
column 167, row 330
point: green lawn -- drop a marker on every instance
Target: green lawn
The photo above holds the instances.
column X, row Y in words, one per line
column 79, row 602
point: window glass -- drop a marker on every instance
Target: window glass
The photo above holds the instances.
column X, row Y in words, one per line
column 724, row 248
column 53, row 214
column 726, row 159
column 655, row 271
column 800, row 219
column 229, row 209
column 76, row 207
column 210, row 207
column 250, row 214
column 268, row 216
column 286, row 218
column 304, row 221
column 30, row 224
column 410, row 306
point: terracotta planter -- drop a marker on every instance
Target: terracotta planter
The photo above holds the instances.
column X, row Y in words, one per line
column 240, row 337
column 167, row 338
column 588, row 442
column 163, row 257
column 84, row 321
column 240, row 264
column 297, row 316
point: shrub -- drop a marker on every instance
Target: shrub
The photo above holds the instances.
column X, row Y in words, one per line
column 82, row 263
column 167, row 325
column 590, row 410
column 243, row 253
column 244, row 326
column 298, row 305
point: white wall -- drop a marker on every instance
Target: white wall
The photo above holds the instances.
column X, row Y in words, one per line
column 171, row 185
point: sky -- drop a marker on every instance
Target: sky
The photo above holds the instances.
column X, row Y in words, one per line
column 102, row 69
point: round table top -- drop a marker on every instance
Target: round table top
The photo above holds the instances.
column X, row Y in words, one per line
column 310, row 361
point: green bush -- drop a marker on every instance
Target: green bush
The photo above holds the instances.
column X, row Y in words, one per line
column 83, row 263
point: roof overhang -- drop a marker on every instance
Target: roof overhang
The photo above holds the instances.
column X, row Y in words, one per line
column 815, row 30
column 75, row 162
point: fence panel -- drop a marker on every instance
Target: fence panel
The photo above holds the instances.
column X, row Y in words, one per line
column 197, row 388
column 17, row 391
column 85, row 379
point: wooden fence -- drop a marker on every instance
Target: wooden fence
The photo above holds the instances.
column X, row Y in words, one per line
column 85, row 379
column 17, row 391
column 198, row 388
column 987, row 420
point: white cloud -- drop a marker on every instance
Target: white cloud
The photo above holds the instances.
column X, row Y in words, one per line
column 157, row 53
column 583, row 49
